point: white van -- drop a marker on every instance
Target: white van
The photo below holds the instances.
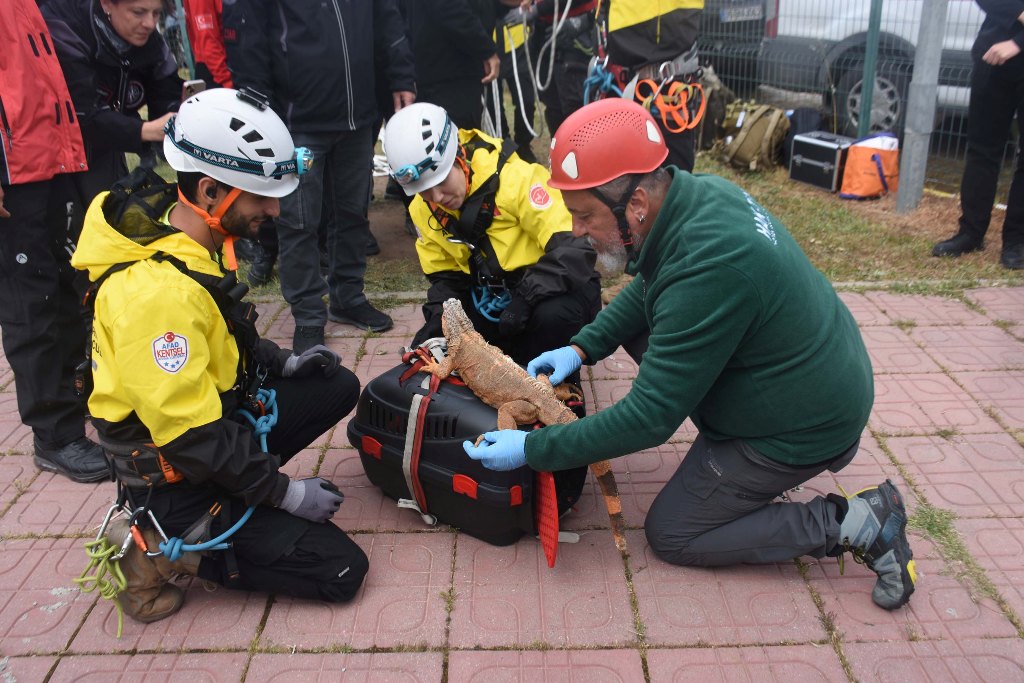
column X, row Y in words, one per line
column 819, row 46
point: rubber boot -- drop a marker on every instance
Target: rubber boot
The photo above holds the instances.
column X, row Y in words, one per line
column 149, row 596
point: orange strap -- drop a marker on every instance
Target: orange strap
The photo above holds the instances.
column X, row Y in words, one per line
column 672, row 102
column 213, row 220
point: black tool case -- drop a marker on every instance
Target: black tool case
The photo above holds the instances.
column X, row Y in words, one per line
column 496, row 507
column 818, row 159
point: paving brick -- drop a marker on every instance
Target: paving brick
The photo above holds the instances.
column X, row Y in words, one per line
column 34, row 668
column 925, row 310
column 892, row 350
column 207, row 667
column 720, row 606
column 783, row 664
column 1000, row 303
column 17, row 472
column 997, row 545
column 53, row 504
column 40, row 605
column 619, row 365
column 401, row 602
column 408, row 320
column 1003, row 392
column 979, row 475
column 413, row 667
column 925, row 404
column 974, row 348
column 14, row 436
column 865, row 312
column 380, row 355
column 303, row 464
column 939, row 608
column 210, row 619
column 964, row 661
column 508, row 596
column 607, row 666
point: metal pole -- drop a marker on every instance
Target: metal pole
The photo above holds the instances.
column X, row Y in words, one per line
column 867, row 84
column 183, row 33
column 921, row 105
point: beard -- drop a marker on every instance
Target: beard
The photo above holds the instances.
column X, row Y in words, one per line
column 240, row 226
column 612, row 257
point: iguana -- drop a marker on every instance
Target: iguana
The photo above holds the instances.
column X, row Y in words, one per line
column 501, row 383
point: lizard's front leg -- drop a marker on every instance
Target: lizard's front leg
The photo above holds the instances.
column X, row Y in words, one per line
column 513, row 414
column 440, row 370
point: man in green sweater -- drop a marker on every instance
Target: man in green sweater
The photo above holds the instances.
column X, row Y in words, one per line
column 744, row 336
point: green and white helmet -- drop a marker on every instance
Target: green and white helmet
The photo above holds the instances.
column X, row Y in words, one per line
column 234, row 137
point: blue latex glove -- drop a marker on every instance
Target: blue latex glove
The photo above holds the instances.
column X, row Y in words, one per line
column 502, row 450
column 557, row 364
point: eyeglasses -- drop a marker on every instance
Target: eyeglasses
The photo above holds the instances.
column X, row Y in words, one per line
column 412, row 172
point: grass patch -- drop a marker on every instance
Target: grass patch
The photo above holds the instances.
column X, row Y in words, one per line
column 399, row 275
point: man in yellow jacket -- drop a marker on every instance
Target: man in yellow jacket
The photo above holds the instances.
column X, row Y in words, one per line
column 176, row 357
column 491, row 233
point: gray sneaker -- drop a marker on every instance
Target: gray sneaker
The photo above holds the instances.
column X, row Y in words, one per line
column 874, row 531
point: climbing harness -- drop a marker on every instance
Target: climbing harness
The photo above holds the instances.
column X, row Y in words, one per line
column 489, row 303
column 672, row 101
column 601, row 82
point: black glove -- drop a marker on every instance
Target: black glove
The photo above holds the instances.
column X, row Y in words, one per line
column 514, row 317
column 316, row 357
column 315, row 499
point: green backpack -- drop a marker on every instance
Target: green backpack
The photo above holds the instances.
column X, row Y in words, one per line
column 757, row 131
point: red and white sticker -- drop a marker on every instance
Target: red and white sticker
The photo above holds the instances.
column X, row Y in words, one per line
column 539, row 197
column 170, row 351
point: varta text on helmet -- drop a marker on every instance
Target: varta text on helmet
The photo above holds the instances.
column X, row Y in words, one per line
column 235, row 138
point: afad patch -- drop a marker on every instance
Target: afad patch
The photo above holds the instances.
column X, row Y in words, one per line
column 539, row 196
column 170, row 351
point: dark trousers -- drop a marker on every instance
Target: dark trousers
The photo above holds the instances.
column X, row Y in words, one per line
column 997, row 94
column 40, row 314
column 552, row 323
column 275, row 551
column 717, row 509
column 338, row 176
column 461, row 98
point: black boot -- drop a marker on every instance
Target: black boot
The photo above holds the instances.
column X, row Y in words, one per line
column 262, row 267
column 957, row 245
column 1013, row 257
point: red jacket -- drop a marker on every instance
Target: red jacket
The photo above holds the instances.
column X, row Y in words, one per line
column 39, row 134
column 203, row 23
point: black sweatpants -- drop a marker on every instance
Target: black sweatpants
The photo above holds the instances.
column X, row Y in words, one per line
column 717, row 509
column 275, row 551
column 40, row 311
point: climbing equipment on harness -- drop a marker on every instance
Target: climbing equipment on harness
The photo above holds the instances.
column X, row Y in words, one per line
column 600, row 82
column 488, row 303
column 672, row 101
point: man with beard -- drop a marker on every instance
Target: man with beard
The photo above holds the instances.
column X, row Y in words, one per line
column 492, row 234
column 180, row 372
column 746, row 338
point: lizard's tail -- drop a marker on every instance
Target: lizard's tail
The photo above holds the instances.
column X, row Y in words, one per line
column 606, row 480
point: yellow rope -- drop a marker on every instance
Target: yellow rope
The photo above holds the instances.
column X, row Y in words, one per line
column 108, row 577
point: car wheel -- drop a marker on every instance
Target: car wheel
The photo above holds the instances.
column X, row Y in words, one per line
column 888, row 102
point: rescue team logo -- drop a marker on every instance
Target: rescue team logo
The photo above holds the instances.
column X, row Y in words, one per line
column 170, row 351
column 539, row 197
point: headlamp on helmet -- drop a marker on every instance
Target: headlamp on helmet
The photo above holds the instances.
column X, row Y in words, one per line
column 411, row 172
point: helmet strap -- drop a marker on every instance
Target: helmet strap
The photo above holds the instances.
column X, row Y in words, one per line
column 619, row 211
column 213, row 221
column 460, row 159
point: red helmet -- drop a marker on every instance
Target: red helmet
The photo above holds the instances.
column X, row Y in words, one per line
column 602, row 141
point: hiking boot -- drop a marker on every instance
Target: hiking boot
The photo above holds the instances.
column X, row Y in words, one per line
column 148, row 595
column 958, row 245
column 306, row 337
column 1013, row 257
column 393, row 190
column 874, row 530
column 261, row 268
column 81, row 460
column 247, row 250
column 372, row 248
column 364, row 316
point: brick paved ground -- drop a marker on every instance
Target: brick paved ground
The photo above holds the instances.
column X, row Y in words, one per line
column 947, row 427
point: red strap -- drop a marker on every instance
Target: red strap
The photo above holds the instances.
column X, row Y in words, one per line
column 545, row 511
column 414, row 465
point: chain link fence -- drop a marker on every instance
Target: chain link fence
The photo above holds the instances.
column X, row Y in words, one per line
column 811, row 53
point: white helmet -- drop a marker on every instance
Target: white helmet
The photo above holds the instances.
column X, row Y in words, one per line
column 420, row 142
column 234, row 136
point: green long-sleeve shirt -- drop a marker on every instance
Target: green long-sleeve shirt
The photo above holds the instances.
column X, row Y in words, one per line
column 746, row 337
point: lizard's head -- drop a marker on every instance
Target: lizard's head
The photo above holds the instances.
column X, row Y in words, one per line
column 454, row 320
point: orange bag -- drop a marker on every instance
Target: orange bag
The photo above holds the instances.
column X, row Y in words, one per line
column 872, row 167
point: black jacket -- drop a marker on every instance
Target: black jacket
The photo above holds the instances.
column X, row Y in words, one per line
column 315, row 59
column 1001, row 23
column 452, row 38
column 110, row 81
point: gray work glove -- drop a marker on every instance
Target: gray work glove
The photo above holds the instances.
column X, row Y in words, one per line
column 316, row 357
column 315, row 499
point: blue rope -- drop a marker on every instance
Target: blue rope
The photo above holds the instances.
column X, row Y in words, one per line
column 599, row 80
column 173, row 548
column 489, row 305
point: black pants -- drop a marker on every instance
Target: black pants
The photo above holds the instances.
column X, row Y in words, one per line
column 552, row 323
column 459, row 97
column 717, row 509
column 997, row 94
column 275, row 551
column 40, row 314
